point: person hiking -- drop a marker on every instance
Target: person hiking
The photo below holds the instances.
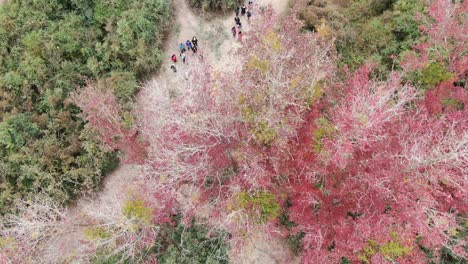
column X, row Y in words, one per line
column 195, row 41
column 174, row 58
column 184, row 58
column 240, row 35
column 237, row 11
column 234, row 31
column 182, row 47
column 239, row 25
column 188, row 44
column 173, row 68
column 250, row 2
column 243, row 9
column 249, row 14
column 194, row 49
column 237, row 19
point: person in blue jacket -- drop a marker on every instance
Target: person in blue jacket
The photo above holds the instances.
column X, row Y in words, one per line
column 182, row 47
column 188, row 44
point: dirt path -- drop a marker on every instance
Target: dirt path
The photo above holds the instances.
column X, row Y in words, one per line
column 218, row 48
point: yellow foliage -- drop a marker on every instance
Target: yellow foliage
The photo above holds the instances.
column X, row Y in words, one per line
column 136, row 210
column 263, row 201
column 95, row 233
column 324, row 29
column 295, row 81
column 248, row 114
column 371, row 249
column 127, row 120
column 273, row 41
column 196, row 197
column 390, row 250
column 256, row 64
column 363, row 118
column 324, row 128
column 263, row 134
column 6, row 241
column 313, row 94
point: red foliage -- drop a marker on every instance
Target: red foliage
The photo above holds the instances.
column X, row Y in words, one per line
column 390, row 160
column 103, row 113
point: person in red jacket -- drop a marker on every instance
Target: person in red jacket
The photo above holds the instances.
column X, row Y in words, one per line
column 234, row 31
column 174, row 58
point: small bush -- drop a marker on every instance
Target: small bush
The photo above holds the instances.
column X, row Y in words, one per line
column 262, row 205
column 214, row 5
column 194, row 244
column 431, row 75
column 390, row 250
column 295, row 242
column 263, row 133
column 324, row 128
column 136, row 210
column 453, row 103
column 95, row 233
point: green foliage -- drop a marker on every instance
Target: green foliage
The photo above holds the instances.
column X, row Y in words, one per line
column 47, row 49
column 106, row 259
column 262, row 205
column 431, row 75
column 95, row 233
column 257, row 64
column 374, row 30
column 324, row 129
column 453, row 103
column 260, row 130
column 214, row 5
column 371, row 249
column 178, row 244
column 391, row 250
column 263, row 133
column 345, row 260
column 295, row 242
column 16, row 131
column 192, row 244
column 124, row 85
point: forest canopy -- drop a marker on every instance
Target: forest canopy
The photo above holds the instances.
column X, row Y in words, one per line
column 340, row 131
column 49, row 48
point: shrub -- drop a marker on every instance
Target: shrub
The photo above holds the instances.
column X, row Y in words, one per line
column 263, row 205
column 431, row 75
column 391, row 250
column 214, row 5
column 324, row 128
column 136, row 210
column 192, row 244
column 263, row 133
column 95, row 233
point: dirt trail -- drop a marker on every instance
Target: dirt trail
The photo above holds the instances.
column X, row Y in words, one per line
column 218, row 47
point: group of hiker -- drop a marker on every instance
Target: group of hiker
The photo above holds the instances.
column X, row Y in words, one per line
column 189, row 45
column 193, row 45
column 237, row 31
